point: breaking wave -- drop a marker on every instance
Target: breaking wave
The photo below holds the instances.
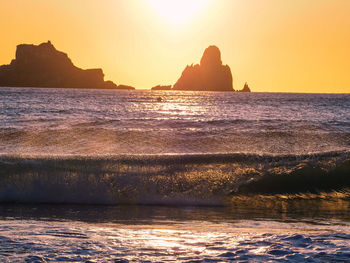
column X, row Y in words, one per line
column 191, row 179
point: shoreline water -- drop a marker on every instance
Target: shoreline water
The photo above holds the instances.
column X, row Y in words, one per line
column 75, row 233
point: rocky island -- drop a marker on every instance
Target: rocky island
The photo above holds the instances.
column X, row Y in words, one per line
column 209, row 75
column 44, row 66
column 245, row 88
column 162, row 87
column 125, row 87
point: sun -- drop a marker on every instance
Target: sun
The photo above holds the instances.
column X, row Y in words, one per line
column 178, row 11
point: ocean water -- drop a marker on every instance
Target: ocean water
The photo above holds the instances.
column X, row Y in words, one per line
column 93, row 122
column 132, row 176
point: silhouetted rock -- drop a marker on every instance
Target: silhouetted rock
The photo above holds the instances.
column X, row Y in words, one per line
column 125, row 87
column 44, row 66
column 110, row 85
column 160, row 87
column 245, row 88
column 210, row 75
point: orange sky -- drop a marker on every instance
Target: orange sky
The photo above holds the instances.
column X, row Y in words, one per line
column 274, row 45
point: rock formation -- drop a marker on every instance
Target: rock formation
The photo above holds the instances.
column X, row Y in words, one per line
column 210, row 75
column 44, row 66
column 161, row 87
column 125, row 87
column 245, row 88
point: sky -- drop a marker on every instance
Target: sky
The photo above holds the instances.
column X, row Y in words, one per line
column 274, row 45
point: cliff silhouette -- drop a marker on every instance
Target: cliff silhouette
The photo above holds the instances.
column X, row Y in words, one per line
column 209, row 75
column 44, row 66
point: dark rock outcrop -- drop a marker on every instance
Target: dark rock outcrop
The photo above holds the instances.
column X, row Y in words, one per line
column 44, row 66
column 245, row 88
column 160, row 87
column 125, row 87
column 209, row 75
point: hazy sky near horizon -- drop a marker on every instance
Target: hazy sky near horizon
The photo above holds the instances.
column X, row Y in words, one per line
column 274, row 45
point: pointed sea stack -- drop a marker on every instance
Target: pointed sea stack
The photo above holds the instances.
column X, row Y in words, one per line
column 44, row 66
column 245, row 88
column 210, row 75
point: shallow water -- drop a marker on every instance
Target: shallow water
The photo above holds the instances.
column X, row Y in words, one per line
column 38, row 233
column 260, row 177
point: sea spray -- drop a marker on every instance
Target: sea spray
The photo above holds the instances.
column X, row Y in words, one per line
column 204, row 179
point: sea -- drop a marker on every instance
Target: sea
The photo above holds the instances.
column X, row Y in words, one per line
column 173, row 176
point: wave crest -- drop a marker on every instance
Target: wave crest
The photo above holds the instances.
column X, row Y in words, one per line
column 194, row 179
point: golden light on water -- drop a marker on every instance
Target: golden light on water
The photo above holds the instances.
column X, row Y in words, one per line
column 177, row 11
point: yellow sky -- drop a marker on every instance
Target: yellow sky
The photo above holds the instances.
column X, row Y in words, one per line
column 274, row 45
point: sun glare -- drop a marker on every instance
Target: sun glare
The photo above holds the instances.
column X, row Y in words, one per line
column 178, row 11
